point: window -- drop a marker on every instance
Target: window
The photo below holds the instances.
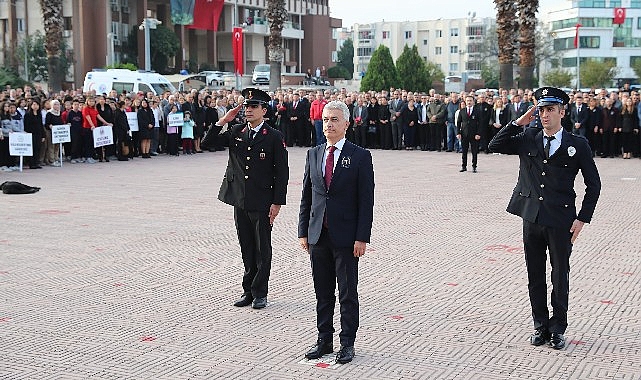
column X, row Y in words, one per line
column 454, row 32
column 474, row 66
column 122, row 87
column 115, row 28
column 385, row 34
column 364, row 52
column 408, row 34
column 144, row 88
column 453, row 49
column 67, row 23
column 438, row 50
column 439, row 33
column 635, row 60
column 585, row 42
column 474, row 48
column 475, row 31
column 424, row 42
column 453, row 66
column 365, row 35
column 20, row 24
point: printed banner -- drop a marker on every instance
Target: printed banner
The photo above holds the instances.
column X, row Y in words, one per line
column 60, row 134
column 207, row 14
column 20, row 144
column 103, row 136
column 132, row 119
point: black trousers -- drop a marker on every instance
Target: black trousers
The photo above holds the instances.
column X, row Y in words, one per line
column 424, row 136
column 537, row 239
column 435, row 136
column 329, row 265
column 255, row 238
column 466, row 143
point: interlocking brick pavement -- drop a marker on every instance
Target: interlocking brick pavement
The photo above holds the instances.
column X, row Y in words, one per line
column 128, row 270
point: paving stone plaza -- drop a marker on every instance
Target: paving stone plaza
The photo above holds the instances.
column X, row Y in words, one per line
column 128, row 270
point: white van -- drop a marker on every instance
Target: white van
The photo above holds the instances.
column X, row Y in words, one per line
column 127, row 81
column 261, row 74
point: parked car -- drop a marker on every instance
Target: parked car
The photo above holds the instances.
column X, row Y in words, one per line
column 214, row 78
column 261, row 74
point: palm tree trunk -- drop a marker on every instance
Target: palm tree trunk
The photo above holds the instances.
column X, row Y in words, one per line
column 53, row 25
column 276, row 15
column 527, row 39
column 506, row 29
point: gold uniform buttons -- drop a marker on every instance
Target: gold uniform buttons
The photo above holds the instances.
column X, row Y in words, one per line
column 540, row 198
column 543, row 173
column 542, row 185
column 545, row 161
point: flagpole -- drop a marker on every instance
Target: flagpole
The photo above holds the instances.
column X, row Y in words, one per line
column 578, row 58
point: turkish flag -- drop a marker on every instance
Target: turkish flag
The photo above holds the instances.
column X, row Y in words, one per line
column 207, row 14
column 619, row 16
column 237, row 49
column 576, row 36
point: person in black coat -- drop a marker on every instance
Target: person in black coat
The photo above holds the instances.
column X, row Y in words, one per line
column 544, row 197
column 579, row 116
column 595, row 115
column 255, row 183
column 146, row 123
column 384, row 123
column 500, row 117
column 121, row 132
column 297, row 117
column 211, row 117
column 469, row 132
column 33, row 124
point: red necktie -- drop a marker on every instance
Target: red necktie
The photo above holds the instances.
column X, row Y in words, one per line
column 469, row 111
column 329, row 166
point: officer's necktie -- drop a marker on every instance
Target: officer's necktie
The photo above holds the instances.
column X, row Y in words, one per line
column 252, row 133
column 546, row 148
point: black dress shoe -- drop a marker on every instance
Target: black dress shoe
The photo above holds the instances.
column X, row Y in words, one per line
column 463, row 170
column 259, row 302
column 474, row 170
column 345, row 355
column 540, row 337
column 245, row 300
column 321, row 348
column 557, row 341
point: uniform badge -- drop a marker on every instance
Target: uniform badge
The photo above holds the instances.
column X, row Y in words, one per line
column 571, row 151
column 346, row 162
column 264, row 131
column 262, row 155
column 238, row 139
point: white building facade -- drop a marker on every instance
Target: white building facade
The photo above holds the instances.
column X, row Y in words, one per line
column 599, row 38
column 452, row 44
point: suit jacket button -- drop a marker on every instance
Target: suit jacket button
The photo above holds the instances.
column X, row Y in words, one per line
column 542, row 185
column 543, row 173
column 248, row 158
column 249, row 148
column 566, row 205
column 540, row 198
column 246, row 167
column 246, row 176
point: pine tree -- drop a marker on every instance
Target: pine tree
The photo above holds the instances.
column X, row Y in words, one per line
column 381, row 73
column 412, row 71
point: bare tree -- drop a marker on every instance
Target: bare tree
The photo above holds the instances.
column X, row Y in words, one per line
column 527, row 41
column 276, row 15
column 53, row 26
column 506, row 27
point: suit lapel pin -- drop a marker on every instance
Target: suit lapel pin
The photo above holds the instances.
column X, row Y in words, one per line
column 345, row 162
column 571, row 151
column 264, row 131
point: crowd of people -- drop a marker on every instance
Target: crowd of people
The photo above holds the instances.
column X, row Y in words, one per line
column 392, row 120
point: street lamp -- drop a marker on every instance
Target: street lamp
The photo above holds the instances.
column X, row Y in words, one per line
column 112, row 59
column 147, row 24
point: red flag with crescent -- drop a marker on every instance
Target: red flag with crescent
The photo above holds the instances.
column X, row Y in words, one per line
column 619, row 16
column 576, row 36
column 237, row 48
column 207, row 14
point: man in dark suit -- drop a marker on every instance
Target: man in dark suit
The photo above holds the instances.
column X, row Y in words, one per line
column 469, row 132
column 579, row 116
column 544, row 197
column 255, row 183
column 334, row 227
column 361, row 120
column 296, row 113
column 484, row 112
column 517, row 107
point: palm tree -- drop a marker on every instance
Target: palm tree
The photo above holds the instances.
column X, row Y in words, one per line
column 506, row 29
column 527, row 39
column 276, row 15
column 53, row 26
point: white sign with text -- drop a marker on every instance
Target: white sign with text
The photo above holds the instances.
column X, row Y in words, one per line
column 60, row 134
column 20, row 144
column 132, row 119
column 103, row 136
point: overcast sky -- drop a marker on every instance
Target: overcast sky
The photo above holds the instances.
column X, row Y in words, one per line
column 366, row 11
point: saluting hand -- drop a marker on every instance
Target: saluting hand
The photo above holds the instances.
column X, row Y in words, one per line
column 230, row 115
column 576, row 228
column 527, row 117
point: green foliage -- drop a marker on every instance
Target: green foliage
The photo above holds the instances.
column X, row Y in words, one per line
column 412, row 71
column 434, row 72
column 636, row 66
column 490, row 74
column 558, row 78
column 381, row 72
column 339, row 72
column 598, row 74
column 346, row 57
column 37, row 57
column 164, row 44
column 128, row 66
column 11, row 78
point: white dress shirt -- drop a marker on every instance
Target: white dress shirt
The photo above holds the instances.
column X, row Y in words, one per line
column 337, row 153
column 554, row 144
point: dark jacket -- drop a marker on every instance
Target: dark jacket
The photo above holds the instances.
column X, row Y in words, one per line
column 544, row 193
column 348, row 203
column 468, row 126
column 257, row 171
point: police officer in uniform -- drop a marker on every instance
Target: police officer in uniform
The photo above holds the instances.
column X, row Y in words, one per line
column 544, row 198
column 255, row 183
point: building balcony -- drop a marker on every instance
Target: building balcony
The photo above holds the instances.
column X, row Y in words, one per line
column 261, row 27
